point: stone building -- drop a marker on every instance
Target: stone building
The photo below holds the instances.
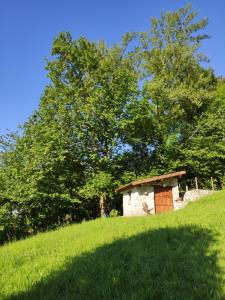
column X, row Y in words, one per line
column 152, row 195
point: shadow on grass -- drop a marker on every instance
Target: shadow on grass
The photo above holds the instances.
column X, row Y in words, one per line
column 168, row 263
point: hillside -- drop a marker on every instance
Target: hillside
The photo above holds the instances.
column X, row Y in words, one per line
column 178, row 255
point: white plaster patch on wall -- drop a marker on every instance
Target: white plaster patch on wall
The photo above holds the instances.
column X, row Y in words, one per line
column 146, row 199
column 175, row 192
column 134, row 200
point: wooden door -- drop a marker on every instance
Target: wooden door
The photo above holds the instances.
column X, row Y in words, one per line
column 163, row 199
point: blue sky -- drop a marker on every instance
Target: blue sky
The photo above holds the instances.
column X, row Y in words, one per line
column 27, row 29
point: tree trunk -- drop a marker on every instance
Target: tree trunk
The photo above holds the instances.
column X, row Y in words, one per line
column 102, row 205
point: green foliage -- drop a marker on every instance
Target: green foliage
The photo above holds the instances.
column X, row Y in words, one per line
column 113, row 213
column 176, row 256
column 100, row 183
column 179, row 87
column 47, row 172
column 204, row 151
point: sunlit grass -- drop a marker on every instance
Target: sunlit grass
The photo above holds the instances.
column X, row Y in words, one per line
column 178, row 255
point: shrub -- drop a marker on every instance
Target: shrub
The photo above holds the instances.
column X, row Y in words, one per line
column 114, row 213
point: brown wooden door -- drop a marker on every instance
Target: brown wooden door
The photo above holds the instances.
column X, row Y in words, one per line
column 163, row 199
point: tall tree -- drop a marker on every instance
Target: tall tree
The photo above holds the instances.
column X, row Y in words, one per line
column 97, row 85
column 204, row 150
column 178, row 88
column 74, row 134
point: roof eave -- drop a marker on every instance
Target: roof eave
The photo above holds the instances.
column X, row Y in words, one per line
column 132, row 184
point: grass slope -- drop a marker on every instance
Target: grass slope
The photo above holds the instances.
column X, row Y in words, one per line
column 177, row 255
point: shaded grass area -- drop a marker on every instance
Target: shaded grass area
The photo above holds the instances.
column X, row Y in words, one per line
column 173, row 256
column 169, row 263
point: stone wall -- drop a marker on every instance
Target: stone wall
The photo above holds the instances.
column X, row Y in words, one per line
column 193, row 195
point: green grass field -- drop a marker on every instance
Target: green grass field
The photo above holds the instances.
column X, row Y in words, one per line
column 177, row 256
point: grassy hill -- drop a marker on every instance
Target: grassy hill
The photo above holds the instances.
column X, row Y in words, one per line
column 178, row 255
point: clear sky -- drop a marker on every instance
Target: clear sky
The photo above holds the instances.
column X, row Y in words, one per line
column 27, row 29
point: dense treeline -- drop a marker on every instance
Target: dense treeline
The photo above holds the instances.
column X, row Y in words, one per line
column 109, row 115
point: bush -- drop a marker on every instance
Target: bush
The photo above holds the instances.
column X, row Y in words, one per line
column 114, row 213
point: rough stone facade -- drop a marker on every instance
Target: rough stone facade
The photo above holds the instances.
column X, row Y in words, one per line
column 193, row 195
column 136, row 199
